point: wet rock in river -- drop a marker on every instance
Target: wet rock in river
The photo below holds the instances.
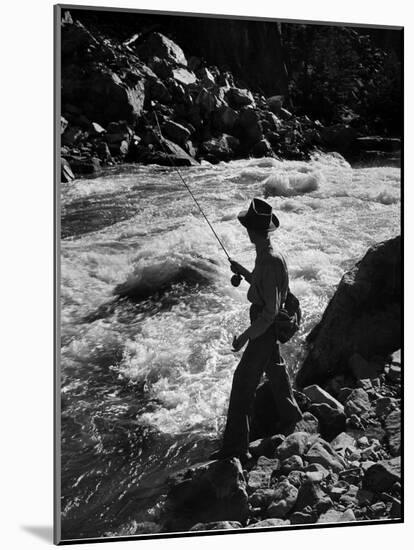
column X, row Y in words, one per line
column 217, row 149
column 66, row 173
column 262, row 149
column 85, row 165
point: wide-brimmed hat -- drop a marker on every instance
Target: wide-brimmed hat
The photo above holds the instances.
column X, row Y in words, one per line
column 259, row 216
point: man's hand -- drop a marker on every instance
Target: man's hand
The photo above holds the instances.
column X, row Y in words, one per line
column 240, row 341
column 236, row 267
column 240, row 270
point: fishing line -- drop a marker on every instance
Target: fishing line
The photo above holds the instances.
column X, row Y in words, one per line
column 187, row 187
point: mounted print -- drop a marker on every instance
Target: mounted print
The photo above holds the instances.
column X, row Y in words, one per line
column 228, row 274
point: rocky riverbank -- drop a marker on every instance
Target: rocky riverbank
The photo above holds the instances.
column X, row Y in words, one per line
column 111, row 90
column 342, row 462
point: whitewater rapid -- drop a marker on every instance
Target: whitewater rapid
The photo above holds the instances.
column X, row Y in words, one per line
column 148, row 312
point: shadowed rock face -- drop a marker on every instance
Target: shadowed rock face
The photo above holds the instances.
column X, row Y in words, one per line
column 208, row 492
column 364, row 316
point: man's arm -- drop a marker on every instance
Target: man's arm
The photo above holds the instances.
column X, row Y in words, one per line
column 271, row 290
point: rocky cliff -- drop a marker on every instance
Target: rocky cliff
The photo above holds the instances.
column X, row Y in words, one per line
column 116, row 92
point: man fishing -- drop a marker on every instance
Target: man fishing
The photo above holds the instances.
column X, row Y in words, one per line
column 269, row 284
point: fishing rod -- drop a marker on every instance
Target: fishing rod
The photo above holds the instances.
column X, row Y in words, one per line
column 236, row 278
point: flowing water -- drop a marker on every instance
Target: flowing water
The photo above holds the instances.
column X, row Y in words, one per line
column 148, row 313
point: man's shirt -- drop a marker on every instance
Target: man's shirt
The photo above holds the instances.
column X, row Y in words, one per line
column 268, row 288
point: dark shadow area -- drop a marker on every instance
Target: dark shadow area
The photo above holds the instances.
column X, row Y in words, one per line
column 43, row 532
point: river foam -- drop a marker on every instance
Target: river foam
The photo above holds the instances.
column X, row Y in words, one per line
column 148, row 313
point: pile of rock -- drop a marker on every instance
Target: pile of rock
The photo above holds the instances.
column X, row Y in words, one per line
column 110, row 91
column 303, row 478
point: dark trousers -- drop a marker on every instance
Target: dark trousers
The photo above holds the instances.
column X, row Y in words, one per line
column 261, row 355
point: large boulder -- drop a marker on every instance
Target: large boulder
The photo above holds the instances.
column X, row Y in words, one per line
column 317, row 395
column 262, row 149
column 176, row 132
column 217, row 149
column 208, row 101
column 83, row 166
column 158, row 45
column 66, row 174
column 364, row 316
column 239, row 98
column 169, row 154
column 207, row 492
column 224, row 118
column 249, row 127
column 275, row 103
column 156, row 90
column 103, row 94
column 183, row 76
column 97, row 79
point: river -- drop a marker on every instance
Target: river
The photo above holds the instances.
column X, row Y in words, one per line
column 148, row 313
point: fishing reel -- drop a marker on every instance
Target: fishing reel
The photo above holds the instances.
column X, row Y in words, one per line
column 236, row 279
